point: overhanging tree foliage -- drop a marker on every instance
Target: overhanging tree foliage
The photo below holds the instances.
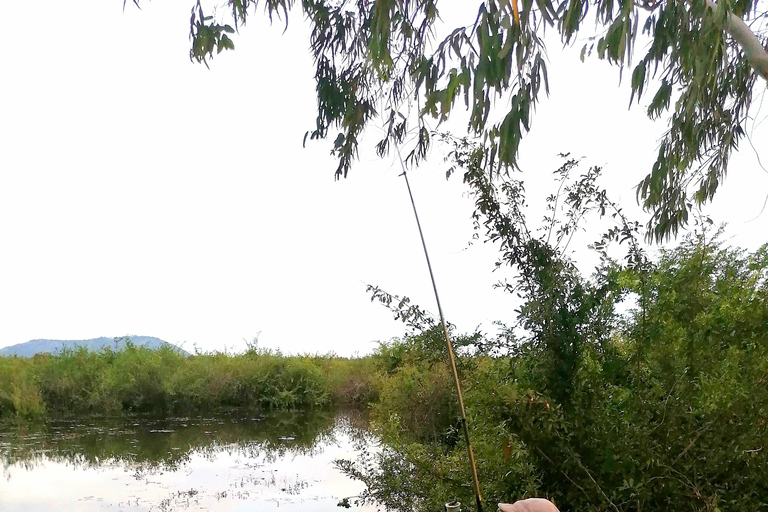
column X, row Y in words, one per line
column 382, row 59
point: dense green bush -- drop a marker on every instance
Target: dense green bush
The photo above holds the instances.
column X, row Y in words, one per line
column 19, row 393
column 663, row 407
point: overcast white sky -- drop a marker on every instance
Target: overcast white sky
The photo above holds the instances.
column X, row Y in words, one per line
column 143, row 194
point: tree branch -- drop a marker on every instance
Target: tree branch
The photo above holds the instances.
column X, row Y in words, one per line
column 754, row 51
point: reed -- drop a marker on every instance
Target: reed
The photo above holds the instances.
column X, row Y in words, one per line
column 137, row 379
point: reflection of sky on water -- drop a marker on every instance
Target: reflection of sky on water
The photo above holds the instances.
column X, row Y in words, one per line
column 226, row 477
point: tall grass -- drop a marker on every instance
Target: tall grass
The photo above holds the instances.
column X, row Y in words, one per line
column 137, row 379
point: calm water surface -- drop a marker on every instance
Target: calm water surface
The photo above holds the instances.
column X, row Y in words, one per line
column 282, row 462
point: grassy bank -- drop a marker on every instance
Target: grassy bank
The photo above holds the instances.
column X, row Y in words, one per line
column 142, row 380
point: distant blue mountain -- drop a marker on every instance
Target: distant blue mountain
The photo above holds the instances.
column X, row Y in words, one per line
column 33, row 347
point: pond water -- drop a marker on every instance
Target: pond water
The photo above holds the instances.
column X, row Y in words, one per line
column 282, row 462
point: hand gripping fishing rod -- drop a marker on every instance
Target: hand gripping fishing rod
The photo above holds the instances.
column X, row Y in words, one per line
column 448, row 344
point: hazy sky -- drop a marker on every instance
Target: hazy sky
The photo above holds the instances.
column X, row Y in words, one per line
column 143, row 194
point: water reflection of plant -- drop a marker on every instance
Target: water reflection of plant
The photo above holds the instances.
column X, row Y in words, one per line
column 147, row 444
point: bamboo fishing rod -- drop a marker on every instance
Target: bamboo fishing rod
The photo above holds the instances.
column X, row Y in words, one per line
column 448, row 344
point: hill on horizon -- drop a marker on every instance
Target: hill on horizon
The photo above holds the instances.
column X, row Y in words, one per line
column 32, row 347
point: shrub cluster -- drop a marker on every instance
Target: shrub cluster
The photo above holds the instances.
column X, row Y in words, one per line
column 664, row 407
column 137, row 379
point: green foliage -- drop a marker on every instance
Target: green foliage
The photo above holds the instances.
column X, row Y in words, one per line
column 70, row 381
column 666, row 410
column 663, row 407
column 423, row 398
column 19, row 394
column 673, row 416
column 352, row 382
column 384, row 55
column 164, row 381
column 207, row 35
